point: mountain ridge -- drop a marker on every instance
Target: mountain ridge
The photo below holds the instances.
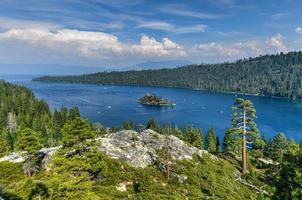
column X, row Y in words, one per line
column 277, row 75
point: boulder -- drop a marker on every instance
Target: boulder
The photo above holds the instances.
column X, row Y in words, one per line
column 141, row 149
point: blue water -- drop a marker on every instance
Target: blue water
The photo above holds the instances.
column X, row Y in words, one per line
column 112, row 105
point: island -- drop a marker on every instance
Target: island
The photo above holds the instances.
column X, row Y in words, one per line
column 154, row 100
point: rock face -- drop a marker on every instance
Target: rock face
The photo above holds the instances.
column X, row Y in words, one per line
column 141, row 149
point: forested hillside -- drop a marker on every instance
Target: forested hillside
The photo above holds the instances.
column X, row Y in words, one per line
column 272, row 75
column 19, row 109
column 59, row 155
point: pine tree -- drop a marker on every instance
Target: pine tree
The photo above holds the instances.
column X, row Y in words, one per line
column 29, row 141
column 289, row 181
column 198, row 142
column 211, row 141
column 243, row 123
column 277, row 147
column 74, row 113
column 152, row 124
column 5, row 146
column 128, row 125
column 229, row 143
column 77, row 131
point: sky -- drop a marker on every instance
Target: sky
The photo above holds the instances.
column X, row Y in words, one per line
column 117, row 33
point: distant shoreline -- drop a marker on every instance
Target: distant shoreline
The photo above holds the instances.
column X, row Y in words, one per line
column 154, row 86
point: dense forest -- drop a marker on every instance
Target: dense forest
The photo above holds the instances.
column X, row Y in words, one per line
column 19, row 109
column 272, row 75
column 268, row 169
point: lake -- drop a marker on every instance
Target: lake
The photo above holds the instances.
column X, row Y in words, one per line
column 112, row 105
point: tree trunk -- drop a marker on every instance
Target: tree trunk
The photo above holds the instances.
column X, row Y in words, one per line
column 168, row 168
column 244, row 155
column 168, row 159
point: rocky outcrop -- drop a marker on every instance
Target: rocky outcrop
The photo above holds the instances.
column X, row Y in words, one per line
column 45, row 154
column 137, row 149
column 141, row 149
column 14, row 157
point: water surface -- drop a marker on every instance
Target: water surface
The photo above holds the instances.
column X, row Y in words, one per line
column 112, row 105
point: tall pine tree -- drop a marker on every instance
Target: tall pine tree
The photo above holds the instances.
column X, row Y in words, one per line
column 244, row 125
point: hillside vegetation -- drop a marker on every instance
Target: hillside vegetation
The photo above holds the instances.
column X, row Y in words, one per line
column 81, row 160
column 272, row 75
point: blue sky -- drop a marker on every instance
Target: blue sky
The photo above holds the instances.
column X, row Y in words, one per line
column 116, row 33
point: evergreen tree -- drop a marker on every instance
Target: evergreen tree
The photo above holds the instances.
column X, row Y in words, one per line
column 244, row 125
column 77, row 131
column 230, row 143
column 258, row 148
column 128, row 125
column 152, row 124
column 211, row 141
column 276, row 147
column 289, row 181
column 73, row 113
column 5, row 146
column 29, row 141
column 198, row 142
column 218, row 146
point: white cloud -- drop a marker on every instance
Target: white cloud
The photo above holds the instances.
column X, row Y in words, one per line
column 298, row 30
column 278, row 42
column 229, row 50
column 150, row 47
column 164, row 26
column 89, row 44
column 218, row 51
column 213, row 48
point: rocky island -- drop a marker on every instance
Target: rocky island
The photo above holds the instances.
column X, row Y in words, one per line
column 154, row 100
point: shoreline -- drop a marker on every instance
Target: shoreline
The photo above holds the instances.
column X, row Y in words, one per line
column 189, row 88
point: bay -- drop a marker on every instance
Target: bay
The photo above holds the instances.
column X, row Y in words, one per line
column 112, row 105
